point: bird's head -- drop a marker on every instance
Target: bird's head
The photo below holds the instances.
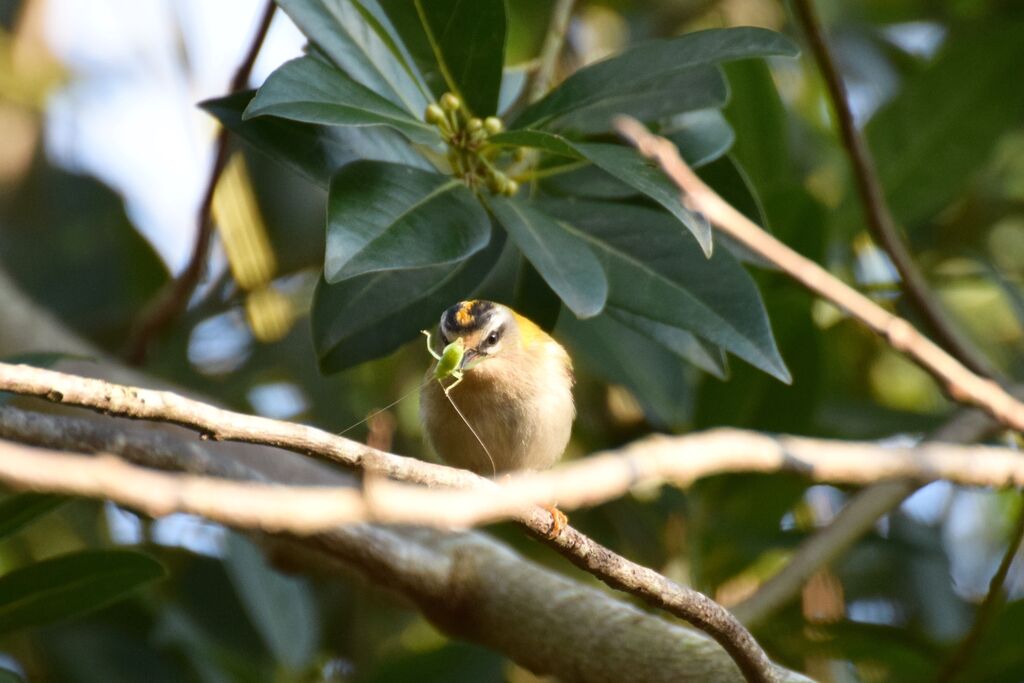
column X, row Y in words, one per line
column 488, row 331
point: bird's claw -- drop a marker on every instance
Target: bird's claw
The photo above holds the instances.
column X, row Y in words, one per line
column 558, row 521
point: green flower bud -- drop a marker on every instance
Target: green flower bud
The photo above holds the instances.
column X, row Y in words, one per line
column 474, row 125
column 450, row 102
column 511, row 188
column 493, row 125
column 434, row 114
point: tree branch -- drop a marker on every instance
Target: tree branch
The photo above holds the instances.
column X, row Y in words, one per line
column 853, row 521
column 469, row 585
column 879, row 219
column 656, row 460
column 994, row 599
column 212, row 422
column 171, row 301
column 561, row 13
column 959, row 382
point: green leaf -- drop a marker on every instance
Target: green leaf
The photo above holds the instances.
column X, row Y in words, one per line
column 941, row 127
column 371, row 315
column 609, row 349
column 19, row 510
column 563, row 259
column 355, row 36
column 537, row 139
column 654, row 70
column 310, row 90
column 701, row 136
column 72, row 584
column 315, row 151
column 622, row 163
column 281, row 608
column 655, row 272
column 468, row 41
column 387, row 216
column 628, row 166
column 686, row 345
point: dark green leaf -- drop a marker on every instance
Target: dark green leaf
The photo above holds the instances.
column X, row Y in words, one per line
column 731, row 183
column 386, row 216
column 19, row 510
column 641, row 72
column 468, row 41
column 371, row 315
column 72, row 584
column 310, row 90
column 611, row 350
column 8, row 676
column 701, row 136
column 563, row 259
column 355, row 36
column 281, row 608
column 703, row 354
column 656, row 272
column 537, row 139
column 314, row 151
column 628, row 166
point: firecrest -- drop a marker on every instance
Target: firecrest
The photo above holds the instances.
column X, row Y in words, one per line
column 512, row 407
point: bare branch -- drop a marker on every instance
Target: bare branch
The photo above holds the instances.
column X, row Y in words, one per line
column 170, row 301
column 561, row 13
column 960, row 383
column 879, row 218
column 212, row 422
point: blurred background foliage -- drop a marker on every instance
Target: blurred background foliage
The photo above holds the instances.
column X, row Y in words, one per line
column 935, row 85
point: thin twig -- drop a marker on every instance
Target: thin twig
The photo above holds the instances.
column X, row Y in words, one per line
column 856, row 518
column 561, row 13
column 215, row 423
column 171, row 301
column 872, row 197
column 960, row 383
column 994, row 599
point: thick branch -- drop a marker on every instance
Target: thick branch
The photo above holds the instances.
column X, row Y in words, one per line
column 879, row 218
column 171, row 301
column 212, row 422
column 960, row 383
column 593, row 480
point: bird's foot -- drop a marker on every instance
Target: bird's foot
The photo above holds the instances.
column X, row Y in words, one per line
column 558, row 521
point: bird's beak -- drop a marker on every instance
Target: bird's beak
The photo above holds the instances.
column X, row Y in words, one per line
column 468, row 357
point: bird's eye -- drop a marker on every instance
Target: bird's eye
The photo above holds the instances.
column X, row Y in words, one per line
column 492, row 338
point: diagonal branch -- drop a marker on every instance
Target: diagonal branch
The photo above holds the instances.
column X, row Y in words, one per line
column 171, row 301
column 879, row 218
column 958, row 381
column 561, row 13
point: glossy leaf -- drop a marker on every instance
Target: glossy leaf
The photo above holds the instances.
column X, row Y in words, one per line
column 551, row 143
column 309, row 89
column 613, row 351
column 644, row 70
column 686, row 345
column 19, row 510
column 701, row 136
column 387, row 216
column 354, row 34
column 371, row 315
column 281, row 608
column 628, row 166
column 315, row 151
column 467, row 38
column 564, row 260
column 72, row 584
column 656, row 273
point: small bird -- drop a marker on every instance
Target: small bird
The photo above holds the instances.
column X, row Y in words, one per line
column 515, row 393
